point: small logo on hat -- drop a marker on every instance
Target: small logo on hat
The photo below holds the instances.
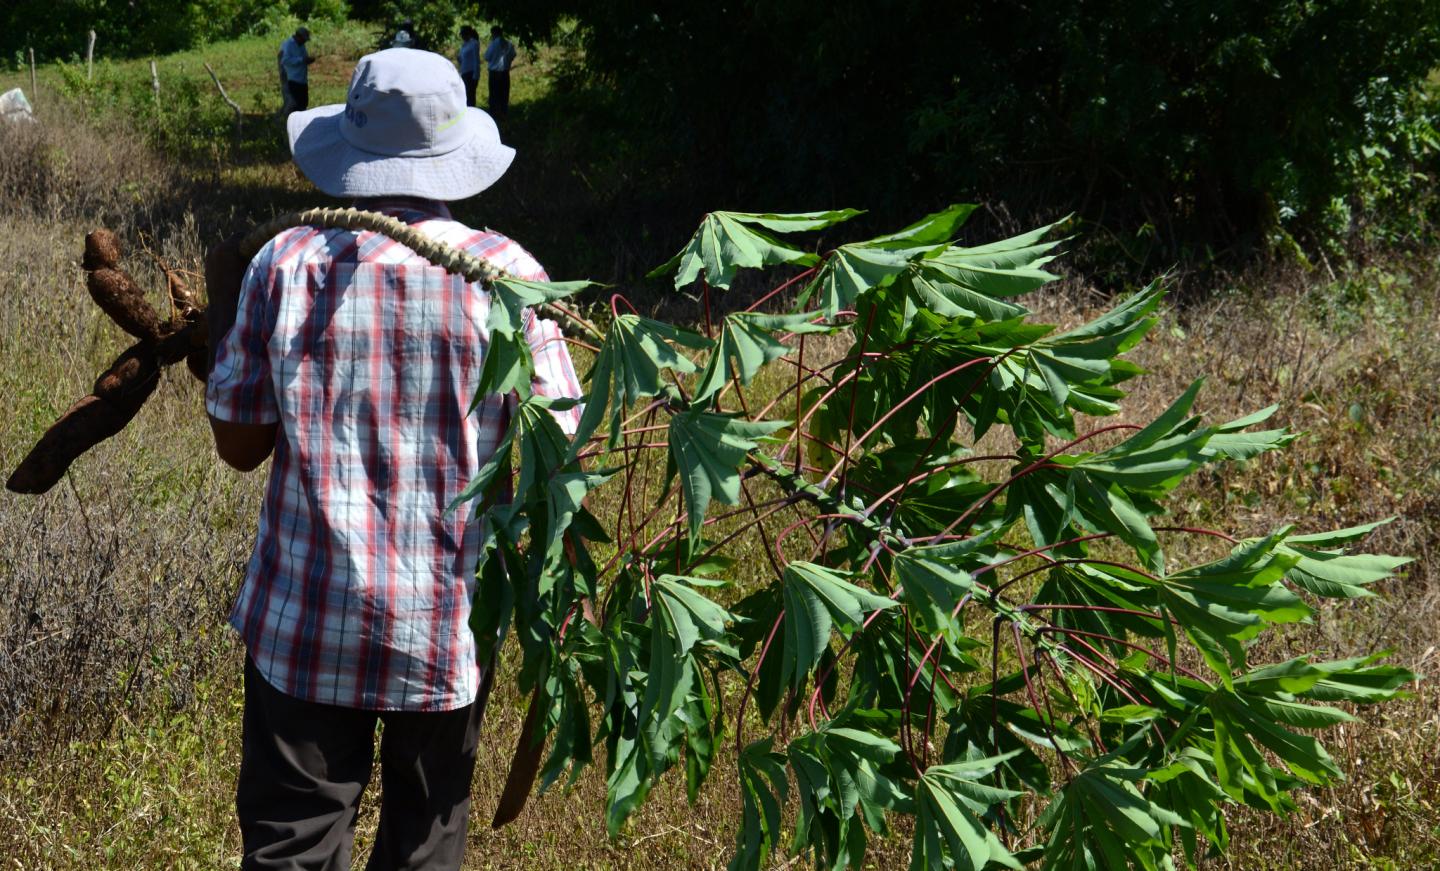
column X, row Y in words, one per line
column 355, row 116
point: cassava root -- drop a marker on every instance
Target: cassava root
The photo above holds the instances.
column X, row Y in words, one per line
column 122, row 389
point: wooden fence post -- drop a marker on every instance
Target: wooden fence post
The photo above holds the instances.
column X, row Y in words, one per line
column 155, row 82
column 90, row 58
column 34, row 92
column 235, row 107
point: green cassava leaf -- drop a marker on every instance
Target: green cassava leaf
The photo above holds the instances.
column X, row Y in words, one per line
column 1235, row 441
column 816, row 600
column 707, row 450
column 729, row 241
column 507, row 364
column 1225, row 603
column 949, row 801
column 636, row 351
column 746, row 344
column 1101, row 820
column 934, row 580
column 763, row 791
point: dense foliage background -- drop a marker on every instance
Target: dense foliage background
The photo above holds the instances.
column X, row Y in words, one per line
column 1182, row 127
column 57, row 29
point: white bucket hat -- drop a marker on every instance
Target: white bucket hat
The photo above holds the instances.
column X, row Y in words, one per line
column 404, row 130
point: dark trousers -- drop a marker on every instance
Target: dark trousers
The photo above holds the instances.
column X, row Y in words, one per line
column 499, row 93
column 304, row 766
column 471, row 83
column 299, row 96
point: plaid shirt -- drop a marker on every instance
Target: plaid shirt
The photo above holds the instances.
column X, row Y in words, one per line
column 359, row 588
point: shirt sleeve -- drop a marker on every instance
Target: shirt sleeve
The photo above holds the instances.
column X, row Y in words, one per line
column 239, row 389
column 554, row 370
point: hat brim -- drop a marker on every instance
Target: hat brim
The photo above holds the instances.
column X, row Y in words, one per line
column 340, row 169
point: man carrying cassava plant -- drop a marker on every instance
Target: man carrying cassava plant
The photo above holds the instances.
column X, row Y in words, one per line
column 354, row 362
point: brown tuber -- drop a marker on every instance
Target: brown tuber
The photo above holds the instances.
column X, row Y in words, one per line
column 121, row 298
column 122, row 389
column 88, row 422
column 198, row 362
column 132, row 372
column 102, row 251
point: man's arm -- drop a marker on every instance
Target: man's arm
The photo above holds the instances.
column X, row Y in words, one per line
column 243, row 446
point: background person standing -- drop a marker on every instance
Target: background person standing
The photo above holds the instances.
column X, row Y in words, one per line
column 405, row 36
column 469, row 62
column 295, row 61
column 499, row 56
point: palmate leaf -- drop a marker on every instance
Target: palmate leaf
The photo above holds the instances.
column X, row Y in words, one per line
column 706, row 449
column 854, row 269
column 969, row 282
column 543, row 446
column 680, row 618
column 764, row 788
column 949, row 801
column 568, row 721
column 747, row 342
column 816, row 600
column 1187, row 786
column 636, row 351
column 1235, row 441
column 1110, row 491
column 935, row 579
column 841, row 791
column 938, row 290
column 1357, row 680
column 507, row 365
column 1326, row 570
column 675, row 710
column 729, row 241
column 1225, row 603
column 1246, row 727
column 1101, row 822
column 1040, row 376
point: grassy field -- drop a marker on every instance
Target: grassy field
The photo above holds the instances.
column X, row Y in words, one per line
column 119, row 682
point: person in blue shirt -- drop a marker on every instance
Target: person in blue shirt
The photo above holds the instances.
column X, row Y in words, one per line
column 499, row 55
column 469, row 62
column 405, row 36
column 295, row 62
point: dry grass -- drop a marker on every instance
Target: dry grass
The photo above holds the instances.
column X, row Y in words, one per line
column 119, row 685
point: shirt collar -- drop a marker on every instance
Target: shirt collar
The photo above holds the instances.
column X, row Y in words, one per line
column 429, row 208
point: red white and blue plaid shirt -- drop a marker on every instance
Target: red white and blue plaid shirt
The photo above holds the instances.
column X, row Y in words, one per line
column 359, row 589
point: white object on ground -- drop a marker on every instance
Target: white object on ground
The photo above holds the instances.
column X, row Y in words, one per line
column 14, row 106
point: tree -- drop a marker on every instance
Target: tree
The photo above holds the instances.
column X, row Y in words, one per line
column 1194, row 124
